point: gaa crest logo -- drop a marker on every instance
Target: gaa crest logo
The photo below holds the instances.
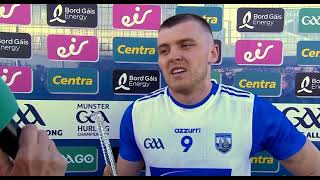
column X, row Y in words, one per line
column 223, row 142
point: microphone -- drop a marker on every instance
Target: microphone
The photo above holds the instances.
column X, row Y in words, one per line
column 9, row 129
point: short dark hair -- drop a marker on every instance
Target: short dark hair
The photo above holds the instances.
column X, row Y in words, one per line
column 180, row 18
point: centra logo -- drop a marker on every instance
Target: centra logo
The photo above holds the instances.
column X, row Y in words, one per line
column 60, row 80
column 267, row 84
column 73, row 81
column 211, row 19
column 244, row 83
column 124, row 49
column 262, row 160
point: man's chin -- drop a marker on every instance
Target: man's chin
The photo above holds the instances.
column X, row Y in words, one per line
column 180, row 87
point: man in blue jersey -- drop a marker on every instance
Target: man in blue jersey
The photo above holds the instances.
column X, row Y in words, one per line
column 197, row 127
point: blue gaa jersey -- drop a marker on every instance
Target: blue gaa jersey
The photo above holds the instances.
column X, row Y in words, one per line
column 215, row 137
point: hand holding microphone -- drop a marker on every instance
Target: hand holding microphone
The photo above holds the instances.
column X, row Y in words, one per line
column 26, row 152
column 37, row 156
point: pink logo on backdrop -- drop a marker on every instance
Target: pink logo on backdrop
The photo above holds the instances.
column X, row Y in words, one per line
column 15, row 14
column 19, row 79
column 131, row 16
column 258, row 52
column 73, row 48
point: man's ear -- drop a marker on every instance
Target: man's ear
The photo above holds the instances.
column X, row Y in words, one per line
column 214, row 53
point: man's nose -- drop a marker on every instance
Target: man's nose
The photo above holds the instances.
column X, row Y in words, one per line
column 175, row 55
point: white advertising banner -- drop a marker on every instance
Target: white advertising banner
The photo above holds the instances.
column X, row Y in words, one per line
column 71, row 119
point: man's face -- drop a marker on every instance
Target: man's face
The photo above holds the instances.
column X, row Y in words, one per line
column 185, row 54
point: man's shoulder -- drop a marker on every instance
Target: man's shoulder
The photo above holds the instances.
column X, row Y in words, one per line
column 233, row 92
column 154, row 96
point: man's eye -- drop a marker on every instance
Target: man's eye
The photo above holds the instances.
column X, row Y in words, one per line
column 186, row 45
column 162, row 51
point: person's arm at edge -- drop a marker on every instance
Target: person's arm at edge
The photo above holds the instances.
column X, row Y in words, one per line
column 278, row 136
column 125, row 168
column 129, row 168
column 305, row 162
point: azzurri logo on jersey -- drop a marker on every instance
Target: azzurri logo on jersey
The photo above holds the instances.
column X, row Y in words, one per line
column 223, row 142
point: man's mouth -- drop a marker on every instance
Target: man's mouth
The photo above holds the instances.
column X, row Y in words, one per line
column 177, row 70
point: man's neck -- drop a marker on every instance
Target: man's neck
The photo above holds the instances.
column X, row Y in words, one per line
column 193, row 97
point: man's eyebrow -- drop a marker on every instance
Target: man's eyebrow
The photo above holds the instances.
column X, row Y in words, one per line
column 162, row 45
column 178, row 42
column 185, row 40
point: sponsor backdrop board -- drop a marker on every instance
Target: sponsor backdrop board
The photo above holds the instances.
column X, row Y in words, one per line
column 64, row 62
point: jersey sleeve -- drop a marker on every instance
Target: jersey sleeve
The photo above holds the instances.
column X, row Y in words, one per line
column 272, row 131
column 128, row 146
